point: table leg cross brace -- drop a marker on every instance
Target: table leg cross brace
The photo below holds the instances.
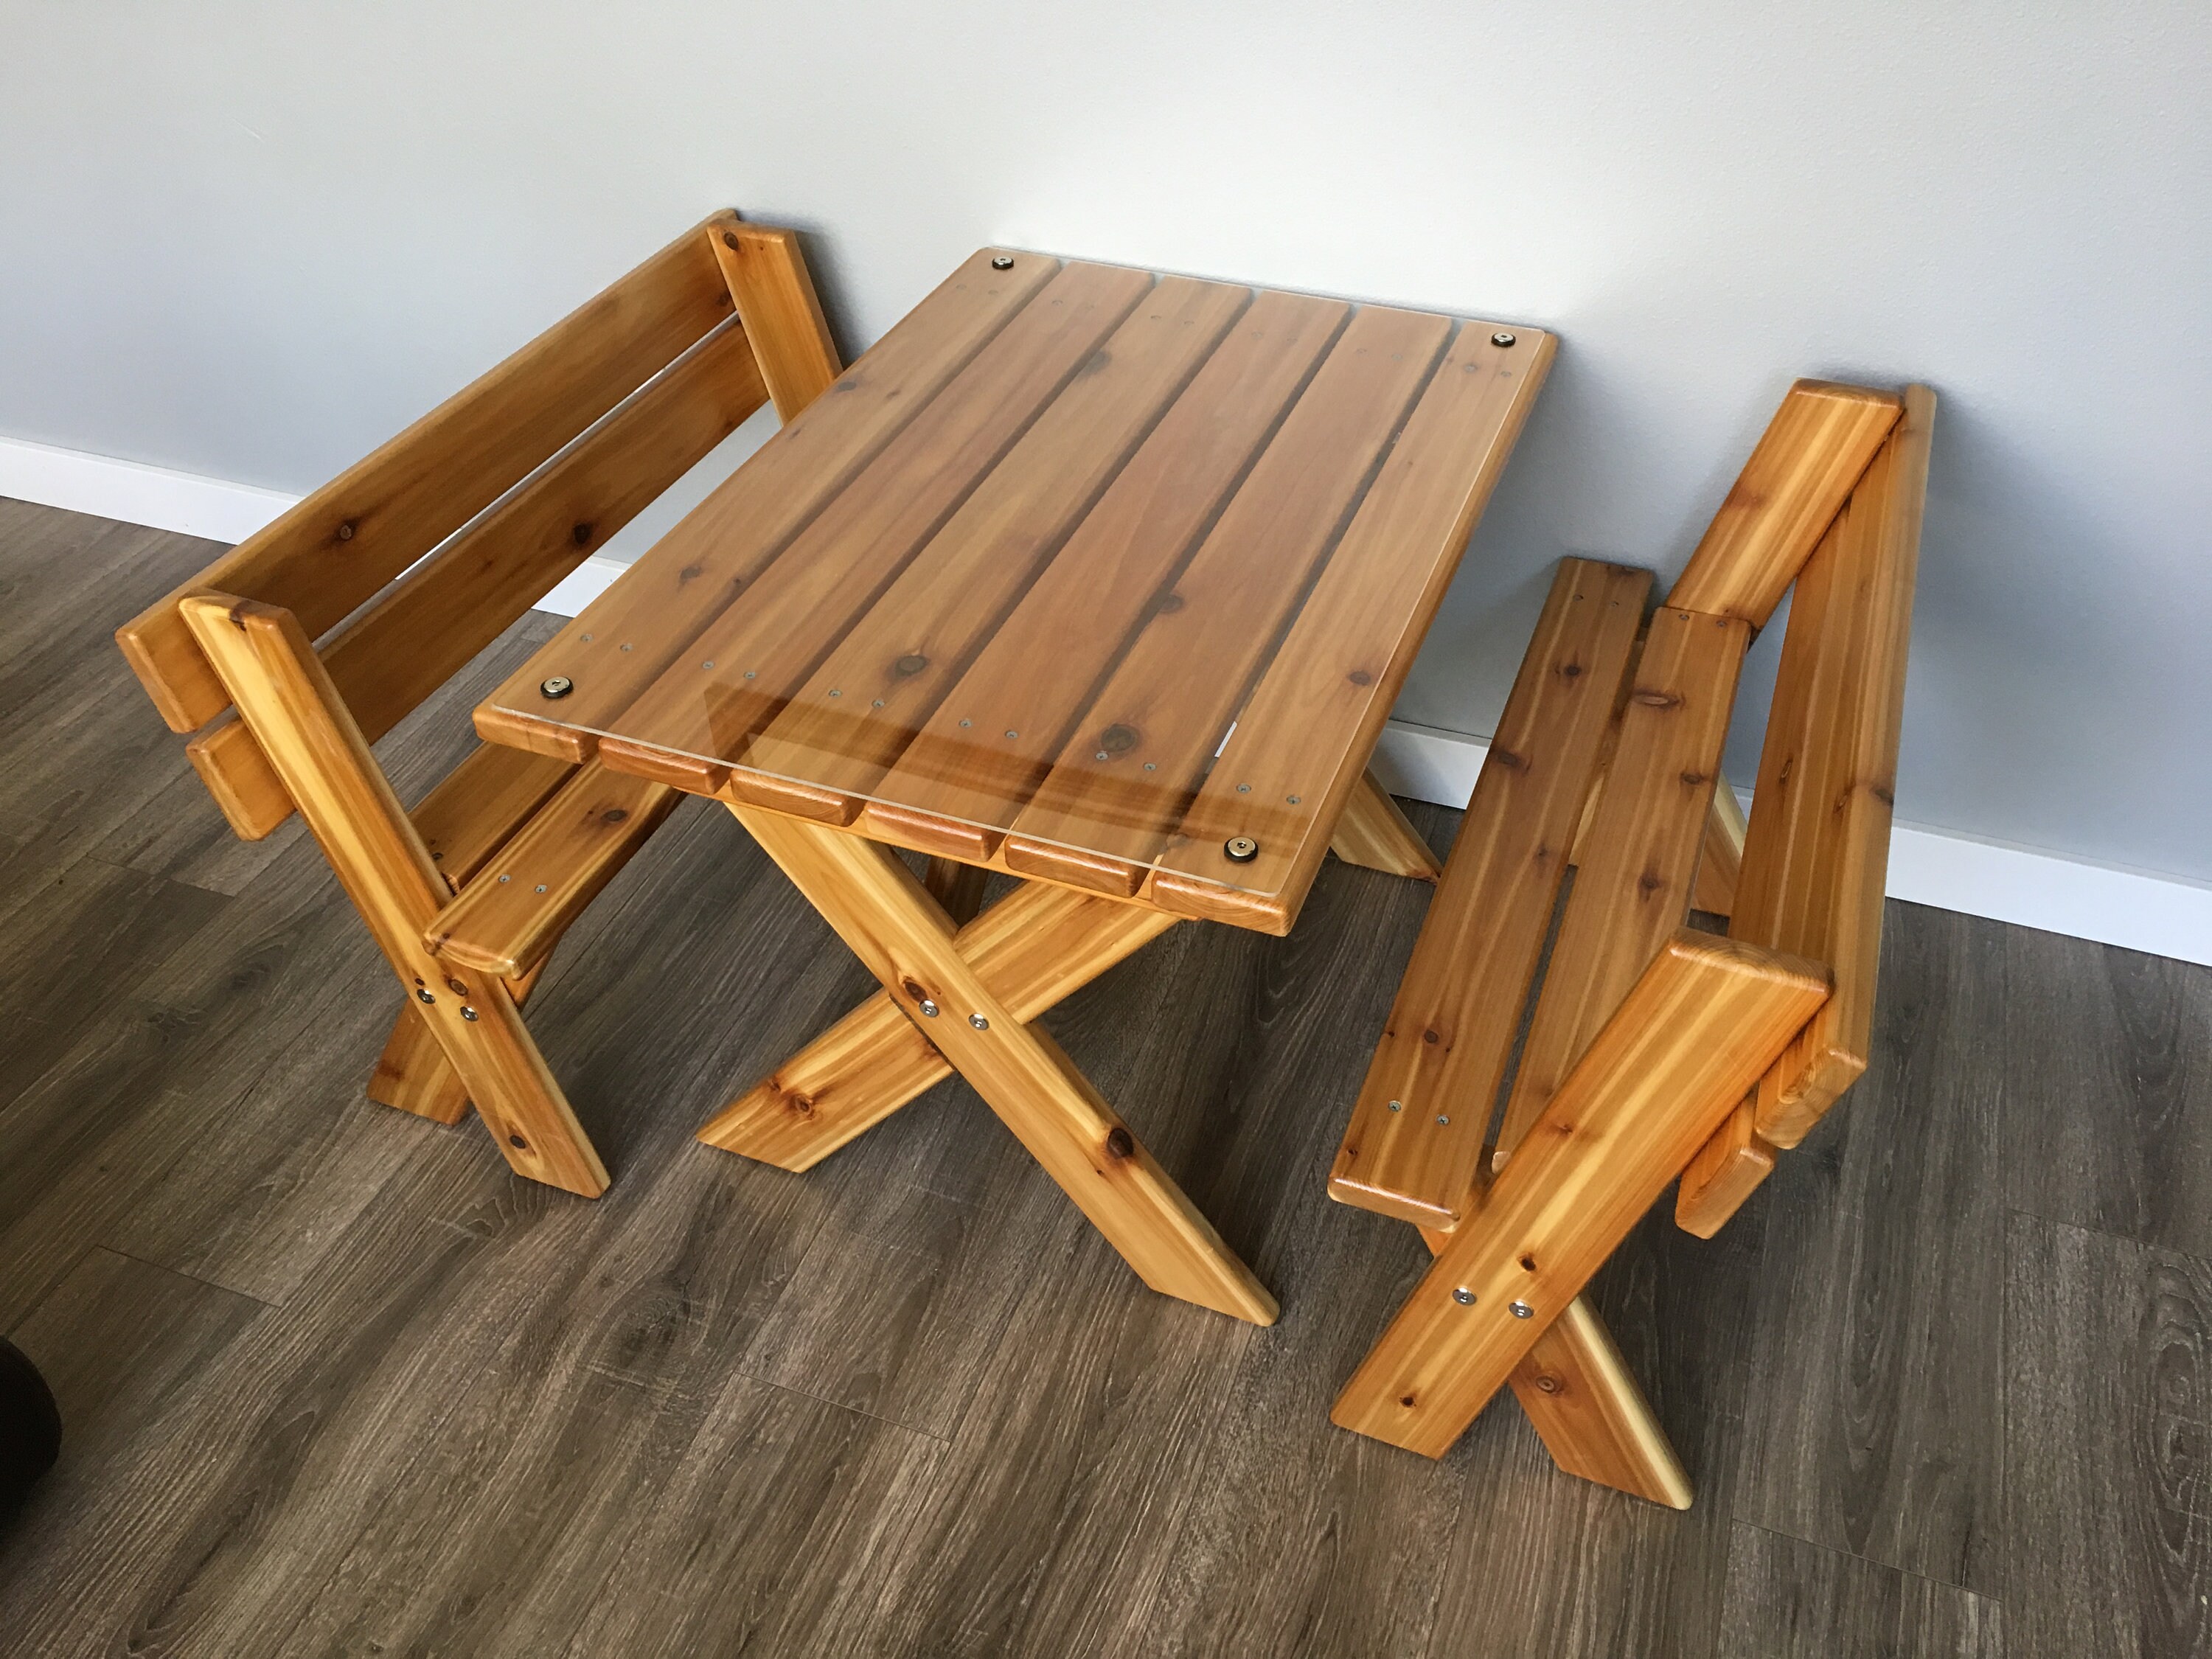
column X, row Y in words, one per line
column 969, row 994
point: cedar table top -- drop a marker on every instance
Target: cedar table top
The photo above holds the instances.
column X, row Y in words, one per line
column 1082, row 572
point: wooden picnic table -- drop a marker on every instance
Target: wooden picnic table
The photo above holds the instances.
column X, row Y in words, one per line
column 1100, row 578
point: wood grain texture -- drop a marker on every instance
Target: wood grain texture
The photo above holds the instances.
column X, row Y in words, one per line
column 1699, row 1024
column 507, row 918
column 1169, row 701
column 1037, row 674
column 1458, row 1011
column 1585, row 1403
column 271, row 670
column 1726, row 1171
column 1789, row 1600
column 774, row 295
column 1033, row 947
column 860, row 710
column 1806, row 463
column 482, row 1418
column 2109, row 1424
column 384, row 661
column 1311, row 721
column 1896, row 1220
column 1816, row 861
column 695, row 720
column 1633, row 884
column 881, row 911
column 1722, row 860
column 1374, row 833
column 337, row 548
column 685, row 579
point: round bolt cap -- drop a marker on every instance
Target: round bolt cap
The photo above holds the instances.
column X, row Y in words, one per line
column 1502, row 338
column 469, row 1014
column 1240, row 849
column 559, row 686
column 979, row 1022
column 1002, row 262
column 1464, row 1297
column 928, row 1009
column 1521, row 1311
column 424, row 996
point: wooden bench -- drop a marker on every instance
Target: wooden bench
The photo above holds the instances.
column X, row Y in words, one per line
column 1651, row 1050
column 301, row 647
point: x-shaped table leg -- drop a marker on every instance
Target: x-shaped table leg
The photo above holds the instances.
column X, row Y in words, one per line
column 967, row 996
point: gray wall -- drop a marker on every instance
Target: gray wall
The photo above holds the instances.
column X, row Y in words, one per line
column 250, row 241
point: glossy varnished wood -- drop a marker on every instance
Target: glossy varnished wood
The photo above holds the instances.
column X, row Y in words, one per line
column 360, row 1389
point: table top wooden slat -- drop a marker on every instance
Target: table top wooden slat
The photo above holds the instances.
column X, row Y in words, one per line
column 1005, row 590
column 1302, row 738
column 1170, row 703
column 955, row 794
column 860, row 708
column 695, row 720
column 690, row 576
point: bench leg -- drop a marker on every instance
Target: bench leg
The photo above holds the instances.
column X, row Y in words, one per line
column 904, row 938
column 413, row 1075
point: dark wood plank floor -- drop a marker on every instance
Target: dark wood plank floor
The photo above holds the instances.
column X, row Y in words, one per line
column 335, row 1384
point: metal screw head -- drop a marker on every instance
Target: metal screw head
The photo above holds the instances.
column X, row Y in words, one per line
column 424, row 996
column 1520, row 1310
column 1002, row 262
column 469, row 1014
column 560, row 686
column 1397, row 1105
column 540, row 887
column 1463, row 1295
column 1443, row 1121
column 1502, row 338
column 1240, row 849
column 979, row 1022
column 504, row 879
column 928, row 1009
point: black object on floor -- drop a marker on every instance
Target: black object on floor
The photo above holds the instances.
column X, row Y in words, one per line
column 30, row 1427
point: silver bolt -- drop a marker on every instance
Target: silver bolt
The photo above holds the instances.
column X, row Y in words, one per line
column 967, row 723
column 1240, row 849
column 1442, row 1121
column 879, row 703
column 625, row 647
column 1502, row 338
column 541, row 886
column 710, row 662
column 1152, row 766
column 749, row 673
column 469, row 1014
column 560, row 686
column 587, row 639
column 1521, row 1311
column 1243, row 788
column 507, row 879
column 1012, row 733
column 1293, row 800
column 1101, row 755
column 424, row 996
column 979, row 1022
column 1002, row 262
column 836, row 694
column 928, row 1009
column 1463, row 1295
column 1397, row 1105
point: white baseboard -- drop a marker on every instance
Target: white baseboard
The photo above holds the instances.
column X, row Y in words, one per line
column 2136, row 910
column 136, row 493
